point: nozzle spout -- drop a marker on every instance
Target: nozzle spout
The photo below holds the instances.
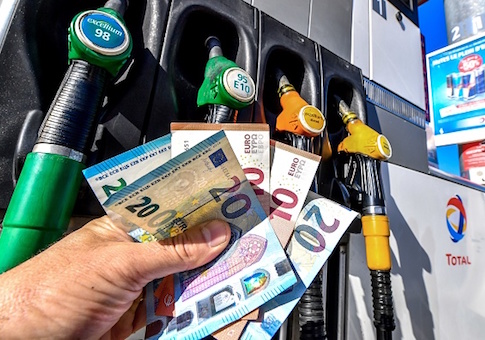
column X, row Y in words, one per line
column 283, row 81
column 119, row 6
column 343, row 108
column 213, row 45
column 284, row 84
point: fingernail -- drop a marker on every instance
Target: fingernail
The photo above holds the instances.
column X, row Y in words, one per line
column 214, row 233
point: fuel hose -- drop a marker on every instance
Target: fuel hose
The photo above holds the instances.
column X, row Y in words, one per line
column 41, row 205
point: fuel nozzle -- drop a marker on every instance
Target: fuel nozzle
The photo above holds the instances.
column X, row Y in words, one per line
column 226, row 87
column 297, row 117
column 302, row 124
column 362, row 139
column 44, row 197
column 366, row 149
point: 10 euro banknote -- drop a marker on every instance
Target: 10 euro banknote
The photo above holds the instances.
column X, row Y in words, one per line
column 249, row 141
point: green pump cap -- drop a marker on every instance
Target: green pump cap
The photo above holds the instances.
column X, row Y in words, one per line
column 101, row 38
column 225, row 83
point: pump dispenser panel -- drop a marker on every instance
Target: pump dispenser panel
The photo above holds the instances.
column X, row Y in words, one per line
column 169, row 78
column 161, row 82
column 344, row 80
column 34, row 60
column 185, row 55
column 285, row 51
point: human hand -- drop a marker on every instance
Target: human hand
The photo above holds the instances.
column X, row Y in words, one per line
column 88, row 285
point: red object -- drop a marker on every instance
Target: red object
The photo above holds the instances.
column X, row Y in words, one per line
column 469, row 63
column 166, row 297
column 473, row 155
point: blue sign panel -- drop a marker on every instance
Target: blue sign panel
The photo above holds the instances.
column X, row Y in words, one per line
column 456, row 80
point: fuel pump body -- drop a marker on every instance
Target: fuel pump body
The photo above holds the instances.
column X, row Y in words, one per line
column 160, row 86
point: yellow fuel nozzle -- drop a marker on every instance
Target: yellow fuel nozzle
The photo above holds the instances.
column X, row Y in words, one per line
column 297, row 117
column 362, row 139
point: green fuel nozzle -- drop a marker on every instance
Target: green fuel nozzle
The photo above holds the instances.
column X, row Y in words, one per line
column 41, row 205
column 226, row 87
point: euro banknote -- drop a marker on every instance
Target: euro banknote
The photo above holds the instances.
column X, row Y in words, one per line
column 207, row 182
column 319, row 228
column 112, row 175
column 292, row 174
column 187, row 190
column 250, row 143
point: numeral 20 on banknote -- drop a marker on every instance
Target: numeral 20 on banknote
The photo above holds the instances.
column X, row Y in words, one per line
column 303, row 230
column 234, row 206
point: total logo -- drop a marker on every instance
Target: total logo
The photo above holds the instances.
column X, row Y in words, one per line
column 456, row 218
column 457, row 223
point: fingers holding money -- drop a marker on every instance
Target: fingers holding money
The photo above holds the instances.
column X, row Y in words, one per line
column 191, row 249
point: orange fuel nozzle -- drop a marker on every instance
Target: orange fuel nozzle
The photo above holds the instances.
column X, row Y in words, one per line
column 297, row 117
column 362, row 139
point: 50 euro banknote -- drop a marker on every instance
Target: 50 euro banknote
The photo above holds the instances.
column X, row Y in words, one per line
column 207, row 182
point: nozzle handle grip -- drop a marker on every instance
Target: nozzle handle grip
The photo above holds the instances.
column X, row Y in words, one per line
column 70, row 119
column 41, row 205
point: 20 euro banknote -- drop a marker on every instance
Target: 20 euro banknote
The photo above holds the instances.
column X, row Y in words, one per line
column 319, row 227
column 203, row 183
column 112, row 175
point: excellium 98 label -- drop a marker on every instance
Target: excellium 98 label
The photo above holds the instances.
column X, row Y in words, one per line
column 102, row 33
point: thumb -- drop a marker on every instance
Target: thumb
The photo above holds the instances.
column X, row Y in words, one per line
column 191, row 249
